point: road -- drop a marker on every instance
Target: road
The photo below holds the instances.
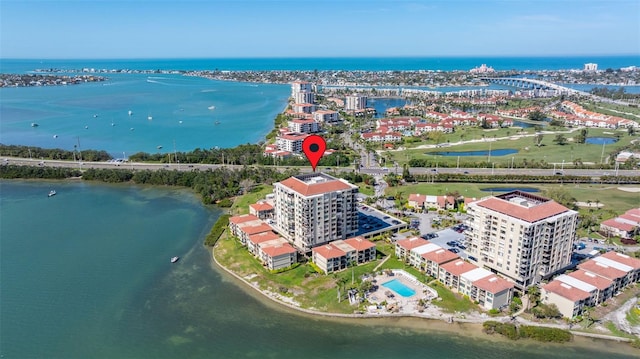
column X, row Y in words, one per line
column 370, row 170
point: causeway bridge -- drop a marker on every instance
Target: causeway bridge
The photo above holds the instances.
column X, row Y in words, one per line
column 531, row 84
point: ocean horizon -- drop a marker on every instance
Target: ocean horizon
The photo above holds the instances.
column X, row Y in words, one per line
column 435, row 63
column 171, row 112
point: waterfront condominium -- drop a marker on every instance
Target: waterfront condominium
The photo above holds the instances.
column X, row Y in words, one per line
column 314, row 209
column 521, row 236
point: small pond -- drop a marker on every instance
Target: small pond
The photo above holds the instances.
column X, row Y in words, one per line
column 499, row 152
column 601, row 140
column 510, row 189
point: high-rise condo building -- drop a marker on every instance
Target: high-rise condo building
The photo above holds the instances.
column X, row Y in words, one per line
column 314, row 209
column 521, row 236
column 302, row 92
column 355, row 102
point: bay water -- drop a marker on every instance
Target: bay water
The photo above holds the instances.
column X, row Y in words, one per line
column 86, row 274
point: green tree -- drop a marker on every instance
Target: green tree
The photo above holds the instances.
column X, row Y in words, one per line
column 537, row 139
column 536, row 115
column 560, row 139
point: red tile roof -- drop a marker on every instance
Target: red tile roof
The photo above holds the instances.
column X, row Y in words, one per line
column 440, row 256
column 263, row 237
column 530, row 214
column 411, row 243
column 493, row 284
column 328, row 251
column 602, row 270
column 458, row 267
column 359, row 243
column 249, row 230
column 261, row 206
column 627, row 227
column 623, row 258
column 564, row 290
column 591, row 278
column 243, row 218
column 278, row 250
column 311, row 189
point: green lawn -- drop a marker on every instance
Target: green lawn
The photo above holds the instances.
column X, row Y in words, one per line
column 241, row 203
column 549, row 152
column 611, row 198
column 310, row 289
column 451, row 302
column 366, row 189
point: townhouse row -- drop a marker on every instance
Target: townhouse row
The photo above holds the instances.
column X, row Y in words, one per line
column 479, row 284
column 595, row 281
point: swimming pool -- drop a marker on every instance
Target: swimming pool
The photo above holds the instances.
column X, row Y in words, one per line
column 397, row 286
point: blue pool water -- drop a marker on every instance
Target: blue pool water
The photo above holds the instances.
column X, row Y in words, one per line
column 397, row 286
column 600, row 140
column 499, row 152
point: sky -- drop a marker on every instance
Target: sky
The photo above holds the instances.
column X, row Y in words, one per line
column 106, row 29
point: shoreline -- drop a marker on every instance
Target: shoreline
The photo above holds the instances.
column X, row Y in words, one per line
column 413, row 321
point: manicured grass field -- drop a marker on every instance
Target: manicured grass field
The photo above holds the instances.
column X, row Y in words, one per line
column 549, row 152
column 241, row 204
column 609, row 196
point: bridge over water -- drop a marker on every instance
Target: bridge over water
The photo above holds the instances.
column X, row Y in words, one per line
column 532, row 84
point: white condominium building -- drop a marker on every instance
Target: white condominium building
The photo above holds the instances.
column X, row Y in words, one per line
column 302, row 92
column 521, row 236
column 314, row 209
column 355, row 102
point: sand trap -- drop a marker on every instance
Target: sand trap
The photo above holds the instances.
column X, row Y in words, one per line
column 592, row 204
column 629, row 189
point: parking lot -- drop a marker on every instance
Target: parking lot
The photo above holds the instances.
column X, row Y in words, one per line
column 372, row 220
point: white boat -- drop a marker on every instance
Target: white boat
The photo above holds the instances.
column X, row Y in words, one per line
column 174, row 259
column 149, row 118
column 33, row 124
column 130, row 112
column 211, row 107
column 52, row 193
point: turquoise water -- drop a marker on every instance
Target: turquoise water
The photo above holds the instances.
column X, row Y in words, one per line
column 179, row 107
column 397, row 286
column 86, row 274
column 330, row 63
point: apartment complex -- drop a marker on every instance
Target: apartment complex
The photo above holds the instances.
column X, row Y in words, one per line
column 481, row 285
column 314, row 209
column 355, row 102
column 595, row 281
column 340, row 254
column 302, row 92
column 521, row 236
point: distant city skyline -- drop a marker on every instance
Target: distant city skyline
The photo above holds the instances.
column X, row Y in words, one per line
column 108, row 29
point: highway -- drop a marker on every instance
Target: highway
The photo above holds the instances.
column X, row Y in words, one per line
column 594, row 173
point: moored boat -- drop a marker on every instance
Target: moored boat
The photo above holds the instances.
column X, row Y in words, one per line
column 174, row 259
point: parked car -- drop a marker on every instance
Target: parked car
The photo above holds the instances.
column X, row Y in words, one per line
column 472, row 258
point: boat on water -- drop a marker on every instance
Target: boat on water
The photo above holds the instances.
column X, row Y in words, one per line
column 159, row 147
column 217, row 122
column 149, row 118
column 130, row 112
column 211, row 107
column 51, row 193
column 174, row 259
column 33, row 124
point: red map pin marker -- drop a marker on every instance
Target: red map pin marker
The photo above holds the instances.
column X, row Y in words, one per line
column 313, row 147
